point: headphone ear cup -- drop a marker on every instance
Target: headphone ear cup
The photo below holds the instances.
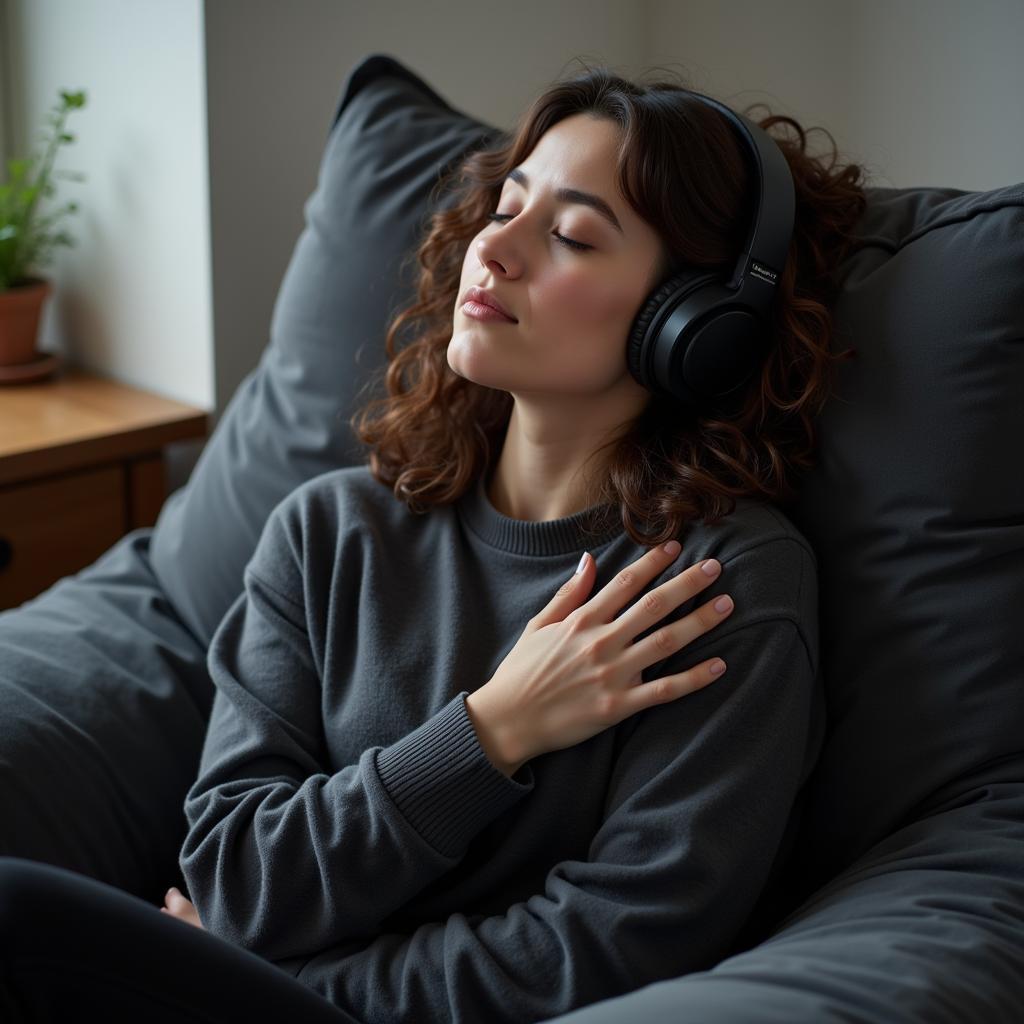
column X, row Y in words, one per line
column 637, row 353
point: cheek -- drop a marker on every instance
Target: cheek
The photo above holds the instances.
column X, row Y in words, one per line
column 589, row 300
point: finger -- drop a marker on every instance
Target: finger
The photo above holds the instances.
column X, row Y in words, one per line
column 178, row 905
column 670, row 688
column 569, row 596
column 674, row 636
column 631, row 580
column 658, row 603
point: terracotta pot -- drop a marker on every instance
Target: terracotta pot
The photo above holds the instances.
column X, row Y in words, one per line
column 20, row 310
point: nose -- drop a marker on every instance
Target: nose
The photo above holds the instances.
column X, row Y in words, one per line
column 496, row 254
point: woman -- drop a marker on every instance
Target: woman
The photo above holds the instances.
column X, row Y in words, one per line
column 409, row 806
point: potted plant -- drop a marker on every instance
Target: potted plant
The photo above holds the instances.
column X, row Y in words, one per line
column 27, row 241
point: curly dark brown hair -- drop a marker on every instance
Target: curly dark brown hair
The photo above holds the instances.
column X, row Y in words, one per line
column 683, row 170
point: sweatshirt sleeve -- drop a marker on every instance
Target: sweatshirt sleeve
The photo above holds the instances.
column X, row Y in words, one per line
column 695, row 815
column 284, row 856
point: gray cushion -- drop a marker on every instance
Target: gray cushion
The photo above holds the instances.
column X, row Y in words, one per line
column 288, row 420
column 926, row 928
column 104, row 699
column 916, row 512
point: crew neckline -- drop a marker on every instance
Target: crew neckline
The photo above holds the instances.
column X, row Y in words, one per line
column 532, row 537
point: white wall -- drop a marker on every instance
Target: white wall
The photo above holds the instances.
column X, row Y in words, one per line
column 133, row 295
column 5, row 92
column 924, row 92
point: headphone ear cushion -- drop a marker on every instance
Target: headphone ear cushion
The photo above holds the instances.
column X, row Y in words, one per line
column 689, row 280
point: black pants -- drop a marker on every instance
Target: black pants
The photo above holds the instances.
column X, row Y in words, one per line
column 75, row 949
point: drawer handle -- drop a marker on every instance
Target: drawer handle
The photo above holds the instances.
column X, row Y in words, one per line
column 6, row 553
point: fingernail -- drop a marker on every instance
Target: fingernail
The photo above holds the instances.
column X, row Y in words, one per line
column 583, row 562
column 723, row 604
column 173, row 891
column 672, row 548
column 711, row 566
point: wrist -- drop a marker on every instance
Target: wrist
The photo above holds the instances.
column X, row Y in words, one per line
column 494, row 736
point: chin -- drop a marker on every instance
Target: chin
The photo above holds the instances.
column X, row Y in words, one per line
column 463, row 351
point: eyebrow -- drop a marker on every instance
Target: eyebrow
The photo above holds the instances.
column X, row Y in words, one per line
column 574, row 195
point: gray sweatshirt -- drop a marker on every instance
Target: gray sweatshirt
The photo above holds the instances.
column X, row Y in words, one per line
column 347, row 825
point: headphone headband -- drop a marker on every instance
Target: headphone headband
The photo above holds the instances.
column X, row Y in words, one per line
column 764, row 249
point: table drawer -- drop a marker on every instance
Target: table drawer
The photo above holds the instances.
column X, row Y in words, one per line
column 52, row 528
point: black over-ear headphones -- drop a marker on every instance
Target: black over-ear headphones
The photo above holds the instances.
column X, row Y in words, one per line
column 699, row 338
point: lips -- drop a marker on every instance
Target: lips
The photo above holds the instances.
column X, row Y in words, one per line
column 486, row 298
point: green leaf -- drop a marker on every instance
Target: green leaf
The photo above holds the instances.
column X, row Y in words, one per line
column 26, row 239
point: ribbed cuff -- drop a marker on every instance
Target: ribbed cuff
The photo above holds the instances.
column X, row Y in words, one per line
column 444, row 783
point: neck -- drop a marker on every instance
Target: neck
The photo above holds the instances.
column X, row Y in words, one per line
column 540, row 482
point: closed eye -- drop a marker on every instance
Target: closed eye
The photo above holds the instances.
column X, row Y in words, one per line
column 501, row 217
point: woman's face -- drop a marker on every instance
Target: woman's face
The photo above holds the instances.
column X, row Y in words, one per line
column 573, row 308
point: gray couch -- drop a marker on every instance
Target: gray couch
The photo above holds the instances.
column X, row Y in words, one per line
column 904, row 897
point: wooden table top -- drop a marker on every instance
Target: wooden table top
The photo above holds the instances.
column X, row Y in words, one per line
column 77, row 418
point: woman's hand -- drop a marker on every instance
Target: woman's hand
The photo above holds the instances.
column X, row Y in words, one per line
column 178, row 906
column 575, row 671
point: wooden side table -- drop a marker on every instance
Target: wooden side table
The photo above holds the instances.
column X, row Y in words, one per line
column 81, row 465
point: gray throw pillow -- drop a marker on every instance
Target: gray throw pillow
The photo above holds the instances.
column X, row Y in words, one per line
column 916, row 512
column 391, row 140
